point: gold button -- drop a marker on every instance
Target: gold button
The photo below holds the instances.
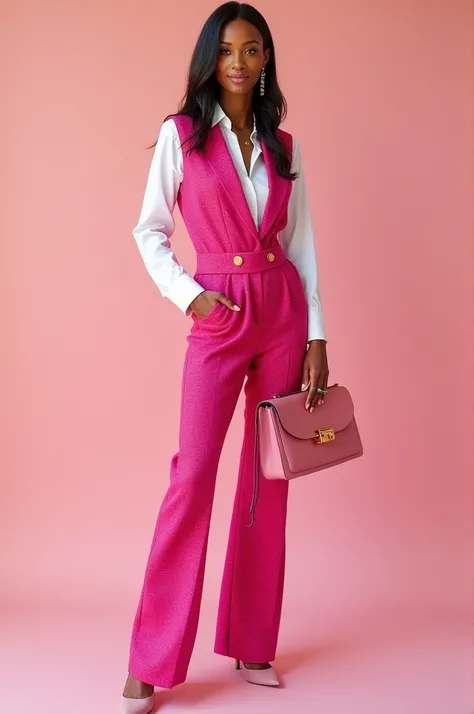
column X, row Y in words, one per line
column 238, row 260
column 270, row 257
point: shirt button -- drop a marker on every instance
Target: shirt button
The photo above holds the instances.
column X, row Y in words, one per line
column 238, row 260
column 270, row 257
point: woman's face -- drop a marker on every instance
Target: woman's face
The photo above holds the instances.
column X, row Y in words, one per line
column 240, row 57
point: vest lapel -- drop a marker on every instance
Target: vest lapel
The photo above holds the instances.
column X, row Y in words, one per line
column 221, row 162
column 278, row 193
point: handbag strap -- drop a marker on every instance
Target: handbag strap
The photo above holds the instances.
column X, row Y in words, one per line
column 256, row 467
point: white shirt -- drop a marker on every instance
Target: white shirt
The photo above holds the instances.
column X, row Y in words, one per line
column 156, row 223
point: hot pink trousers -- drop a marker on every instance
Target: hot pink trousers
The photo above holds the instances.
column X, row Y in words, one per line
column 264, row 345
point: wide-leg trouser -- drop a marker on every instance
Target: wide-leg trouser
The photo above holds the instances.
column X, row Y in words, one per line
column 266, row 343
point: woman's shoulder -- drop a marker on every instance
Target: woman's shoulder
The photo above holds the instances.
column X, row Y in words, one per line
column 178, row 121
column 176, row 126
column 289, row 140
column 167, row 131
column 169, row 125
column 284, row 134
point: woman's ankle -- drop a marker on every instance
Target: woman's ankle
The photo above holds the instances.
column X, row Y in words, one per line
column 257, row 665
column 136, row 689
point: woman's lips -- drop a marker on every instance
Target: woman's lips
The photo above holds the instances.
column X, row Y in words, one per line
column 238, row 80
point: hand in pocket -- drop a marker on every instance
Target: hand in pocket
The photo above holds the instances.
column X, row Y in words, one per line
column 206, row 301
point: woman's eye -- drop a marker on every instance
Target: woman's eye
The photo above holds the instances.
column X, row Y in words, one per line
column 224, row 50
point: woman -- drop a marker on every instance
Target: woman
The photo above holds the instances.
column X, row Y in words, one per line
column 256, row 314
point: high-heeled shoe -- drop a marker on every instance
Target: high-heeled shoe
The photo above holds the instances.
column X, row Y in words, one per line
column 263, row 677
column 136, row 706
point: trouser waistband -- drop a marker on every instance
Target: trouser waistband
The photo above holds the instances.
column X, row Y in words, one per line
column 254, row 262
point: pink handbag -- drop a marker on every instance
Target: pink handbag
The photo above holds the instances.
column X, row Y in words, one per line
column 290, row 442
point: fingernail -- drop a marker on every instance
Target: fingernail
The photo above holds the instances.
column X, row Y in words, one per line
column 303, row 387
column 236, row 307
column 311, row 410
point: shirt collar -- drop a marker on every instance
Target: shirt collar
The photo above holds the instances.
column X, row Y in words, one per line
column 220, row 116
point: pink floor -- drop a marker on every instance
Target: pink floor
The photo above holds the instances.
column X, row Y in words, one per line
column 58, row 661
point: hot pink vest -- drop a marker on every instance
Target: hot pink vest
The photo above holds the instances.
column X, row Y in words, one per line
column 212, row 201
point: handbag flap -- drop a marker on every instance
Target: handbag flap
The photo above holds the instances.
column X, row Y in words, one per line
column 336, row 412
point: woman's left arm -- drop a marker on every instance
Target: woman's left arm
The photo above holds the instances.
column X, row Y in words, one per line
column 297, row 240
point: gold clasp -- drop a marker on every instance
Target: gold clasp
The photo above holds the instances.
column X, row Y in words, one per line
column 323, row 436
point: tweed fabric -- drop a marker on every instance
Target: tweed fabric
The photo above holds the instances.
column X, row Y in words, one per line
column 263, row 345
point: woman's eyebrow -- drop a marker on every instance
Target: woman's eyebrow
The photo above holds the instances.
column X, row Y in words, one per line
column 249, row 42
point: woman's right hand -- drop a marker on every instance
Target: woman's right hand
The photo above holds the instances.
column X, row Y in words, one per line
column 205, row 301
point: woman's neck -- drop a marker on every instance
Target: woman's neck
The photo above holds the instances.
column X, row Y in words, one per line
column 239, row 109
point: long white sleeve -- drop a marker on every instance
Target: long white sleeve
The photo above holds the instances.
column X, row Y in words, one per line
column 297, row 240
column 156, row 223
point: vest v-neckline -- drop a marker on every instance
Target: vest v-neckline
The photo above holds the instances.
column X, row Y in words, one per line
column 230, row 179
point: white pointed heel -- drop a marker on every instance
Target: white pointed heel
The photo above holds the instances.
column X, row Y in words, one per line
column 262, row 677
column 136, row 706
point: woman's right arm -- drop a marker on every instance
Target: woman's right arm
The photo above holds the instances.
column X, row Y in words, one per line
column 156, row 223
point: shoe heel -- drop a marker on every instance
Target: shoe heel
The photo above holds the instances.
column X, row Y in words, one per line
column 237, row 664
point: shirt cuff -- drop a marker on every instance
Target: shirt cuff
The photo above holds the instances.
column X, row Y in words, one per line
column 316, row 329
column 183, row 291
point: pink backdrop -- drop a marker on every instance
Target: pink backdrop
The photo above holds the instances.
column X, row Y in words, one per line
column 379, row 584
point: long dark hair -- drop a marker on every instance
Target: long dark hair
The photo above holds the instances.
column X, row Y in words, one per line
column 202, row 90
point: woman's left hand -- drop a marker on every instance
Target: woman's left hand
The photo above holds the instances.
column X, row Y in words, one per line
column 315, row 373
